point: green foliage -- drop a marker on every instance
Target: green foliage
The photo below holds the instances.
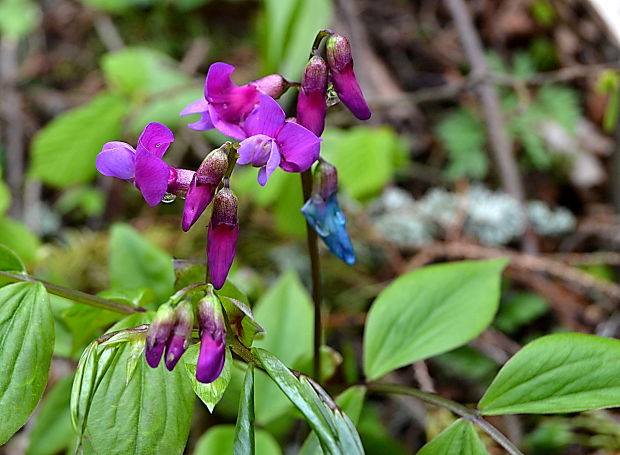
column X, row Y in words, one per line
column 609, row 83
column 52, row 430
column 219, row 440
column 286, row 314
column 367, row 158
column 335, row 431
column 9, row 261
column 90, row 201
column 519, row 310
column 244, row 430
column 211, row 393
column 5, row 197
column 460, row 438
column 135, row 262
column 429, row 311
column 27, row 334
column 18, row 18
column 557, row 373
column 16, row 236
column 543, row 12
column 63, row 153
column 164, row 109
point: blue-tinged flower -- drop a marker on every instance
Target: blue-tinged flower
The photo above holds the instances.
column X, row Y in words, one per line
column 144, row 166
column 180, row 334
column 324, row 214
column 212, row 338
column 272, row 141
column 222, row 236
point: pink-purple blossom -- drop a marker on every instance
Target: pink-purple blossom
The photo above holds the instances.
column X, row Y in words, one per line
column 222, row 236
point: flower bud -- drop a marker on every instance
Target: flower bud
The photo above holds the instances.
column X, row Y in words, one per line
column 312, row 104
column 340, row 63
column 212, row 338
column 323, row 213
column 222, row 236
column 273, row 85
column 203, row 185
column 179, row 181
column 181, row 334
column 158, row 334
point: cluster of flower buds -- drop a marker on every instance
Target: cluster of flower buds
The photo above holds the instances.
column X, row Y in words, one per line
column 171, row 331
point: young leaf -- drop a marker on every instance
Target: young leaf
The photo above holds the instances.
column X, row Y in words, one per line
column 460, row 438
column 566, row 372
column 211, row 393
column 27, row 334
column 219, row 440
column 9, row 261
column 64, row 151
column 16, row 236
column 244, row 430
column 429, row 311
column 336, row 432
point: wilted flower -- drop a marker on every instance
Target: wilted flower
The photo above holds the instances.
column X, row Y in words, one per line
column 348, row 89
column 312, row 104
column 203, row 185
column 222, row 236
column 144, row 165
column 212, row 338
column 324, row 214
column 158, row 334
column 180, row 335
column 273, row 141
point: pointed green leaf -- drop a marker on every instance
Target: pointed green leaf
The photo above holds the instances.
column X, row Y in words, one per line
column 430, row 311
column 244, row 430
column 27, row 334
column 460, row 438
column 211, row 393
column 219, row 440
column 566, row 372
column 10, row 261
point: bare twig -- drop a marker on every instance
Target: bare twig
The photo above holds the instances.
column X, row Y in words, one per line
column 108, row 32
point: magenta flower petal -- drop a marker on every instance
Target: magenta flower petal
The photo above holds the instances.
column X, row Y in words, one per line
column 299, row 147
column 255, row 150
column 218, row 82
column 211, row 358
column 195, row 107
column 152, row 175
column 155, row 138
column 221, row 247
column 197, row 199
column 174, row 350
column 230, row 101
column 117, row 159
column 231, row 129
column 267, row 118
column 203, row 124
column 350, row 92
column 311, row 111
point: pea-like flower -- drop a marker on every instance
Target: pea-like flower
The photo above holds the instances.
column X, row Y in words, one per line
column 158, row 334
column 212, row 338
column 272, row 141
column 340, row 63
column 312, row 104
column 323, row 213
column 222, row 236
column 144, row 166
column 180, row 335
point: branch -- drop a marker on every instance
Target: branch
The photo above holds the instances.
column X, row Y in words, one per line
column 467, row 413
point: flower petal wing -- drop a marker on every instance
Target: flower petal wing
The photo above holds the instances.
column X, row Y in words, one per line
column 267, row 118
column 117, row 159
column 195, row 107
column 152, row 175
column 299, row 147
column 155, row 138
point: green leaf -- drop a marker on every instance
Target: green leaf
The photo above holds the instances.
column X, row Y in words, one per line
column 16, row 236
column 52, row 430
column 211, row 393
column 121, row 403
column 89, row 201
column 85, row 323
column 336, row 432
column 135, row 262
column 350, row 401
column 63, row 153
column 165, row 109
column 430, row 311
column 460, row 438
column 566, row 372
column 9, row 261
column 289, row 336
column 244, row 430
column 219, row 440
column 366, row 158
column 5, row 197
column 27, row 334
column 519, row 310
column 18, row 18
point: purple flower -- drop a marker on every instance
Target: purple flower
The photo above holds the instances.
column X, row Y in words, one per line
column 272, row 141
column 348, row 89
column 225, row 104
column 311, row 104
column 158, row 334
column 180, row 335
column 144, row 165
column 273, row 85
column 212, row 338
column 222, row 236
column 203, row 185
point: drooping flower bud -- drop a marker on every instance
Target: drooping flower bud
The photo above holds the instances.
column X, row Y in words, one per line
column 273, row 85
column 203, row 185
column 212, row 338
column 312, row 104
column 181, row 334
column 323, row 213
column 158, row 334
column 222, row 236
column 348, row 89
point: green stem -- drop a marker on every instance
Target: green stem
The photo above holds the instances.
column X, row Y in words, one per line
column 313, row 248
column 74, row 295
column 318, row 38
column 467, row 413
